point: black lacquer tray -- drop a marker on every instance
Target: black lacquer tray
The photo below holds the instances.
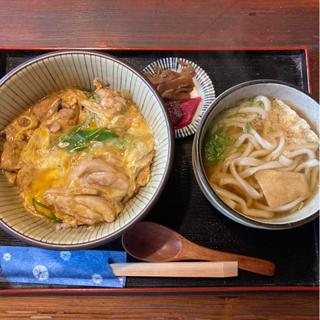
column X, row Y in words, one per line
column 184, row 208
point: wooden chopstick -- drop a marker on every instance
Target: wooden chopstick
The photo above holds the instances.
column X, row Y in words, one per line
column 177, row 269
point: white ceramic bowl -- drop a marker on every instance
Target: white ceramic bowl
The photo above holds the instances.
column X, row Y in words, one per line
column 306, row 106
column 50, row 72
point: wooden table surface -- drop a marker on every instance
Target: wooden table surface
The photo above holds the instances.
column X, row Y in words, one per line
column 170, row 24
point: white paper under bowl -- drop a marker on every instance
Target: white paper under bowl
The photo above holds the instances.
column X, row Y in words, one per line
column 40, row 76
column 305, row 106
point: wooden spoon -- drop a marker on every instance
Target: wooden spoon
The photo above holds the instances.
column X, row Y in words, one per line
column 149, row 241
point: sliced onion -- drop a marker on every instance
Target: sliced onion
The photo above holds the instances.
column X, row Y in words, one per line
column 232, row 204
column 259, row 153
column 232, row 123
column 297, row 207
column 233, row 156
column 258, row 110
column 244, row 120
column 249, row 201
column 276, row 153
column 248, row 150
column 314, row 178
column 291, row 167
column 229, row 195
column 259, row 213
column 307, row 173
column 248, row 161
column 219, row 175
column 232, row 181
column 252, row 192
column 307, row 164
column 285, row 161
column 308, row 152
column 263, row 143
column 269, row 165
column 245, row 137
column 284, row 207
column 265, row 101
column 312, row 146
column 227, row 161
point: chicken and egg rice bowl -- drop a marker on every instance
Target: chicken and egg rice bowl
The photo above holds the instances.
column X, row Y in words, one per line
column 78, row 156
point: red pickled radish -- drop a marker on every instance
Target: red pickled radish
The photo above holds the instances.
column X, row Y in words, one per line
column 189, row 108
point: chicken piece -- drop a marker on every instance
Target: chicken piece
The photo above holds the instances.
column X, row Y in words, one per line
column 98, row 205
column 63, row 119
column 113, row 109
column 91, row 165
column 36, row 147
column 110, row 118
column 10, row 158
column 73, row 191
column 72, row 96
column 11, row 176
column 104, row 177
column 110, row 104
column 113, row 158
column 109, row 98
column 46, row 107
column 119, row 123
column 25, row 176
column 24, row 122
column 139, row 157
column 11, row 131
column 143, row 176
column 21, row 128
column 109, row 178
column 100, row 85
column 281, row 187
column 84, row 209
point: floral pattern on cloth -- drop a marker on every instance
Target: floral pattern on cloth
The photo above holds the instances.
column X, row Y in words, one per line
column 74, row 268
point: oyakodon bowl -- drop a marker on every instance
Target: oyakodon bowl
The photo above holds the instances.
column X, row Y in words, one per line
column 51, row 72
column 305, row 106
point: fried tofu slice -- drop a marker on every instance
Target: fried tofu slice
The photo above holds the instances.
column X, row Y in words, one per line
column 281, row 187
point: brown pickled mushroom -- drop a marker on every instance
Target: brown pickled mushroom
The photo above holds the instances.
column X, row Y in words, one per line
column 171, row 84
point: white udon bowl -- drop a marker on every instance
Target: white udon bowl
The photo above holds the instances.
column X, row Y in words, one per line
column 305, row 106
column 50, row 72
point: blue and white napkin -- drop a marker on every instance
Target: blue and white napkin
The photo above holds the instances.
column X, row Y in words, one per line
column 74, row 268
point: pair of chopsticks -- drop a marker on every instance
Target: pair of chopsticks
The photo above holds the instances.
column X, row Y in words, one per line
column 219, row 269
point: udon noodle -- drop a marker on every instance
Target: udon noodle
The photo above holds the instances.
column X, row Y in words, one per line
column 261, row 158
